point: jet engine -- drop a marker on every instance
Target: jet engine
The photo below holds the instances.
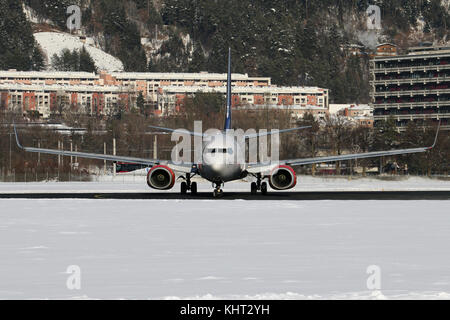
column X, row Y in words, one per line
column 282, row 178
column 161, row 178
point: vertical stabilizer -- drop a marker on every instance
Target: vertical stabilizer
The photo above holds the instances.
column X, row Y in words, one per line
column 228, row 115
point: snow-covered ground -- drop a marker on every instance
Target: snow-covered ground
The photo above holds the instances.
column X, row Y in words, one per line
column 54, row 42
column 136, row 183
column 224, row 249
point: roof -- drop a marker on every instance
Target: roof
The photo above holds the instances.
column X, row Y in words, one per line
column 47, row 74
column 248, row 90
column 58, row 87
column 282, row 107
column 415, row 55
column 360, row 107
column 185, row 76
column 386, row 44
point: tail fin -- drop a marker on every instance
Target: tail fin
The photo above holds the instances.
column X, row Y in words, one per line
column 228, row 116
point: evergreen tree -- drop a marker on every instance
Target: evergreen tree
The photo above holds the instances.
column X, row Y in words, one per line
column 140, row 103
column 86, row 62
column 18, row 48
column 122, row 36
column 73, row 61
column 37, row 59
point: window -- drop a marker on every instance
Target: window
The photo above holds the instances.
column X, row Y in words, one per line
column 221, row 151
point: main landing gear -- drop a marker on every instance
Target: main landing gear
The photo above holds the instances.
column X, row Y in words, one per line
column 187, row 185
column 259, row 186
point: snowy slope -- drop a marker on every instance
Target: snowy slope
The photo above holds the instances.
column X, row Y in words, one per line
column 54, row 42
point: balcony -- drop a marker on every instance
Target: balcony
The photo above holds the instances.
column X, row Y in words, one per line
column 412, row 105
column 410, row 81
column 423, row 116
column 412, row 69
column 410, row 93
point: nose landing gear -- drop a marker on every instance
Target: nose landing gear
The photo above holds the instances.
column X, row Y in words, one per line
column 218, row 192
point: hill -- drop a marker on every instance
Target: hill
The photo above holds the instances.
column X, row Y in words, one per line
column 53, row 43
column 300, row 42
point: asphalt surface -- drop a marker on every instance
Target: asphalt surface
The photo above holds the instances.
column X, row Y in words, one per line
column 319, row 195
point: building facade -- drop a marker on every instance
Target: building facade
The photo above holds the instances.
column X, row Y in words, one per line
column 164, row 93
column 43, row 100
column 251, row 98
column 412, row 87
column 360, row 114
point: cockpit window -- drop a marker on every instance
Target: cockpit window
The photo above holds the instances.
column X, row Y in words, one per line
column 221, row 151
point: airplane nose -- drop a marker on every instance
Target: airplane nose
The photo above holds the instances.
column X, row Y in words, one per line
column 217, row 167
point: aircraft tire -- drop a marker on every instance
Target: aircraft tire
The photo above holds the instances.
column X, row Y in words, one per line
column 218, row 193
column 254, row 188
column 264, row 188
column 194, row 188
column 183, row 187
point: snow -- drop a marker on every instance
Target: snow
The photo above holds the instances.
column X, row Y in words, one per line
column 224, row 249
column 54, row 42
column 33, row 17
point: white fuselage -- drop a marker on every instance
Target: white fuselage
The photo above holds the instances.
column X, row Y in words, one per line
column 223, row 159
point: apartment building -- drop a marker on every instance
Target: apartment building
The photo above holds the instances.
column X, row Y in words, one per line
column 361, row 114
column 252, row 98
column 412, row 87
column 163, row 92
column 46, row 99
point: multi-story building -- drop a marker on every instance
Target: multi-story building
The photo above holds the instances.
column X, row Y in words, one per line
column 171, row 98
column 361, row 114
column 164, row 92
column 45, row 99
column 49, row 78
column 296, row 111
column 412, row 87
column 386, row 49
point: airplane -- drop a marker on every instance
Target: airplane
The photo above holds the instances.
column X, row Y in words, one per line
column 215, row 166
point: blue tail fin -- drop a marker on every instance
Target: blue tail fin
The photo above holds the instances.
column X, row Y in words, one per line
column 228, row 116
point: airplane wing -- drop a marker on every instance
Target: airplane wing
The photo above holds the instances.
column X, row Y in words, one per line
column 183, row 167
column 260, row 168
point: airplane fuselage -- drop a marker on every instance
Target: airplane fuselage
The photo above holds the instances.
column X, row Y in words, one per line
column 223, row 159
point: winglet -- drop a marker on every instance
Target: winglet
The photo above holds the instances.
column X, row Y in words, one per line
column 17, row 137
column 436, row 137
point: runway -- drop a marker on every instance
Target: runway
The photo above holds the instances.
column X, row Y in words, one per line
column 296, row 196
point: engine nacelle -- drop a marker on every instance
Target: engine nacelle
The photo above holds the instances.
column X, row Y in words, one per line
column 161, row 178
column 282, row 178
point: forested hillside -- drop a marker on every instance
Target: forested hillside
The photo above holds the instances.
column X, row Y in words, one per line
column 18, row 49
column 294, row 42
